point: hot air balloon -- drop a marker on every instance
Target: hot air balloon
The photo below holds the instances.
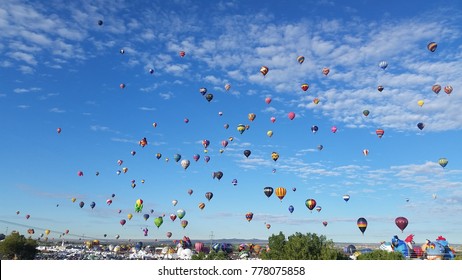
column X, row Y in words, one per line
column 268, row 226
column 129, row 216
column 146, row 217
column 268, row 100
column 100, row 22
column 268, row 191
column 217, row 175
column 362, row 224
column 174, row 202
column 280, row 192
column 151, row 71
column 291, row 209
column 184, row 224
column 300, row 59
column 291, row 115
column 196, row 157
column 203, row 90
column 31, row 231
column 274, row 156
column 180, row 213
column 252, row 116
column 401, row 223
column 325, row 71
column 27, row 217
column 443, row 162
column 205, row 143
column 314, row 128
column 264, row 70
column 346, row 197
column 138, row 205
column 366, row 113
column 122, row 222
column 379, row 132
column 310, row 203
column 383, row 64
column 227, row 87
column 226, row 126
column 209, row 97
column 241, row 128
column 158, row 221
column 234, row 182
column 249, row 216
column 73, row 199
column 80, row 173
column 47, row 232
column 316, row 100
column 185, row 163
column 92, row 205
column 143, row 142
column 320, row 147
column 420, row 103
column 436, row 88
column 247, row 153
column 182, row 53
column 206, row 159
column 448, row 89
column 421, row 125
column 272, row 119
column 133, row 153
column 186, row 120
column 305, row 86
column 333, row 129
column 318, row 208
column 58, row 130
column 158, row 155
column 432, row 46
column 177, row 157
column 190, row 191
column 81, row 204
column 201, row 205
column 208, row 195
column 324, row 223
column 365, row 152
column 380, row 88
column 168, row 234
column 122, row 86
column 172, row 217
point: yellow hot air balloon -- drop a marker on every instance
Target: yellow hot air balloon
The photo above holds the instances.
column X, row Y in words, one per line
column 129, row 216
column 201, row 205
column 280, row 192
column 420, row 103
column 73, row 199
column 269, row 133
column 274, row 156
column 241, row 128
column 47, row 231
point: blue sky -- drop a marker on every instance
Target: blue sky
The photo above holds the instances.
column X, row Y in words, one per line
column 60, row 69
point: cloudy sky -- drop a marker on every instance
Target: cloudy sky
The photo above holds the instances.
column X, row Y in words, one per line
column 106, row 85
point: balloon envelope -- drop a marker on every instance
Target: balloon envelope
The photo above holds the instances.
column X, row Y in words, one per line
column 362, row 224
column 401, row 223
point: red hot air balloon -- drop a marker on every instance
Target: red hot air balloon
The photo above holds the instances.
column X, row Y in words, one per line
column 379, row 132
column 310, row 203
column 268, row 100
column 362, row 224
column 249, row 216
column 291, row 115
column 304, row 87
column 122, row 222
column 401, row 223
column 182, row 53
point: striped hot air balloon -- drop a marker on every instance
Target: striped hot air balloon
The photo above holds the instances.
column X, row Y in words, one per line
column 362, row 224
column 379, row 132
column 280, row 192
column 310, row 203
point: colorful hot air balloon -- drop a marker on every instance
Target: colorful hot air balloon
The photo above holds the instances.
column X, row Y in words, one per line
column 362, row 224
column 184, row 224
column 310, row 203
column 280, row 192
column 241, row 128
column 252, row 116
column 316, row 100
column 300, row 59
column 249, row 216
column 269, row 133
column 436, row 88
column 182, row 53
column 318, row 208
column 401, row 223
column 268, row 100
column 209, row 97
column 448, row 89
column 180, row 213
column 432, row 46
column 201, row 205
column 268, row 226
column 366, row 113
column 268, row 191
column 129, row 216
column 274, row 156
column 324, row 223
column 379, row 132
column 325, row 71
column 272, row 119
column 172, row 217
column 122, row 86
column 227, row 87
column 264, row 70
column 138, row 205
column 190, row 191
column 203, row 90
column 305, row 87
column 443, row 162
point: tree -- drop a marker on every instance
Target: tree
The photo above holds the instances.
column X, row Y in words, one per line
column 17, row 247
column 302, row 247
column 381, row 255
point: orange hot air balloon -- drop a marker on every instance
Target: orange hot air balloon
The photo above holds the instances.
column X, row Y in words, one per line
column 436, row 88
column 316, row 100
column 264, row 70
column 379, row 132
column 432, row 46
column 280, row 193
column 325, row 71
column 448, row 89
column 305, row 87
column 201, row 205
column 252, row 116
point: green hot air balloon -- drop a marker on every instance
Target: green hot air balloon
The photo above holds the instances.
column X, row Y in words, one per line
column 158, row 221
column 180, row 213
